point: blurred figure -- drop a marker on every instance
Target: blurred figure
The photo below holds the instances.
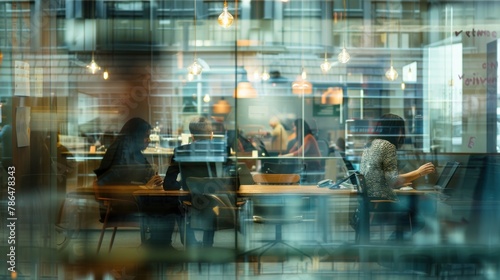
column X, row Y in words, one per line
column 202, row 217
column 124, row 164
column 279, row 136
column 340, row 146
column 305, row 145
column 380, row 168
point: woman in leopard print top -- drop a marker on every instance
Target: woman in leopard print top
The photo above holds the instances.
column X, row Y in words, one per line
column 379, row 159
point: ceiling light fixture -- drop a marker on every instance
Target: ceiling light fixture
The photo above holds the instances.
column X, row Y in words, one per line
column 222, row 107
column 93, row 66
column 325, row 66
column 245, row 90
column 195, row 68
column 301, row 86
column 105, row 74
column 225, row 18
column 344, row 56
column 391, row 74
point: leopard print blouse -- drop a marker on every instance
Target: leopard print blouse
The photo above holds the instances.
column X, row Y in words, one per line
column 380, row 168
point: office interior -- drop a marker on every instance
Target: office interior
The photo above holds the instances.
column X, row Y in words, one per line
column 73, row 72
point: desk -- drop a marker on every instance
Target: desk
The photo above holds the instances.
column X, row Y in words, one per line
column 322, row 194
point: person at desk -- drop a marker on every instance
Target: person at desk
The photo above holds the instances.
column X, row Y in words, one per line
column 305, row 144
column 124, row 164
column 380, row 168
column 201, row 131
column 279, row 135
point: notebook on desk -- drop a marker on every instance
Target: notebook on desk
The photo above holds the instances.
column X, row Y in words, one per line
column 444, row 178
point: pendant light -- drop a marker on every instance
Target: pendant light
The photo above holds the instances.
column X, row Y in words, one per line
column 344, row 56
column 93, row 67
column 391, row 74
column 301, row 86
column 325, row 66
column 225, row 18
column 195, row 68
column 222, row 107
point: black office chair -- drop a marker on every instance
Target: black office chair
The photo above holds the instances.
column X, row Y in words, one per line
column 213, row 204
column 377, row 212
column 277, row 212
column 204, row 159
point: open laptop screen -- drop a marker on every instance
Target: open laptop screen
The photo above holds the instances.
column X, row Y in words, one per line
column 445, row 177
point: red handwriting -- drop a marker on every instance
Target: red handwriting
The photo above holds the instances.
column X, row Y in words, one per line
column 477, row 33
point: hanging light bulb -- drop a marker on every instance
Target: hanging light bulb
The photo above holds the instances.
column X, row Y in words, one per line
column 265, row 76
column 105, row 74
column 391, row 74
column 225, row 18
column 206, row 98
column 256, row 75
column 92, row 66
column 344, row 56
column 195, row 68
column 303, row 74
column 325, row 66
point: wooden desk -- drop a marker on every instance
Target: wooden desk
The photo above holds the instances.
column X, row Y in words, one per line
column 272, row 190
column 249, row 191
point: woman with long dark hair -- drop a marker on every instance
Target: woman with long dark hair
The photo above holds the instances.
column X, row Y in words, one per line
column 123, row 162
column 305, row 145
column 379, row 159
column 380, row 168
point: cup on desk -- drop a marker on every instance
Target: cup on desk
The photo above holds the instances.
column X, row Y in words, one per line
column 255, row 153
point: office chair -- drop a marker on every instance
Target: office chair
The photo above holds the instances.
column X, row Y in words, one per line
column 213, row 204
column 121, row 211
column 202, row 159
column 277, row 212
column 373, row 212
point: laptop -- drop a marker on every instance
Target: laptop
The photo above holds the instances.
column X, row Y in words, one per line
column 444, row 178
column 244, row 175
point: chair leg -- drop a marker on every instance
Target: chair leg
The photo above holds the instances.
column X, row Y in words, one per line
column 104, row 224
column 112, row 239
column 100, row 239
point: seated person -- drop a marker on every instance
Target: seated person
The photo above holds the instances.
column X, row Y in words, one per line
column 380, row 168
column 124, row 164
column 305, row 145
column 202, row 134
column 279, row 136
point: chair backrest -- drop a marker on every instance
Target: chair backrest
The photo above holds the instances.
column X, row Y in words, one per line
column 201, row 159
column 292, row 167
column 276, row 179
column 323, row 146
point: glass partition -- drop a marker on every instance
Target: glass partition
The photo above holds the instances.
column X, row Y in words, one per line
column 284, row 75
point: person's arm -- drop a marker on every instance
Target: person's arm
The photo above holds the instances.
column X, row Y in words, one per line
column 417, row 173
column 396, row 180
column 306, row 145
column 170, row 181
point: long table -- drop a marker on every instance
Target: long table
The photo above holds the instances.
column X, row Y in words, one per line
column 321, row 194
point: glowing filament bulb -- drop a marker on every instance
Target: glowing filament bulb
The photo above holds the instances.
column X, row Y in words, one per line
column 195, row 69
column 225, row 18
